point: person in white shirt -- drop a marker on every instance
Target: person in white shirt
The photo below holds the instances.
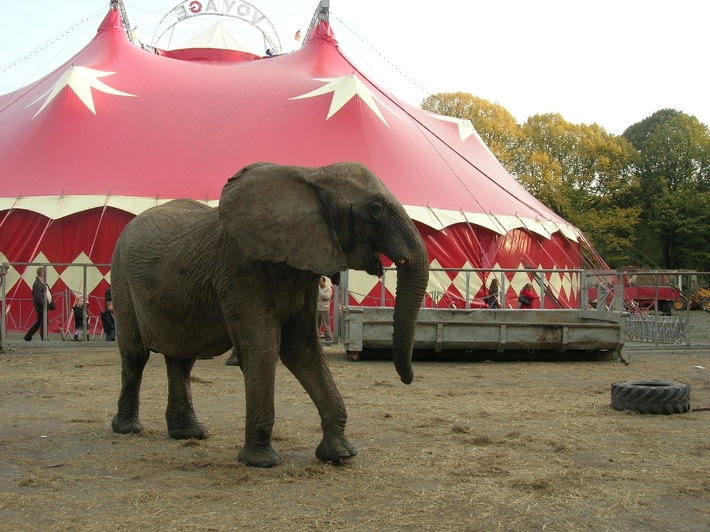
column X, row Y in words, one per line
column 325, row 293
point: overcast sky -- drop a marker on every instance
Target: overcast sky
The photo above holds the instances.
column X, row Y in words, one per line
column 610, row 62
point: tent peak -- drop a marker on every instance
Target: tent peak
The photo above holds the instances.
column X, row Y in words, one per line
column 322, row 32
column 112, row 21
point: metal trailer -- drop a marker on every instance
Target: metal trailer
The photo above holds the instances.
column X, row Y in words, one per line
column 496, row 334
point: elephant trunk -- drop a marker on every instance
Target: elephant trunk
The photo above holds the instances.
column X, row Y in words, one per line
column 412, row 280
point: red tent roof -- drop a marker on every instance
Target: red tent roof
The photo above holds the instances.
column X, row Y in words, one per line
column 120, row 126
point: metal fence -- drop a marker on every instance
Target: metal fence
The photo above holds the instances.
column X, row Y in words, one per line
column 656, row 329
column 664, row 307
column 18, row 313
column 667, row 307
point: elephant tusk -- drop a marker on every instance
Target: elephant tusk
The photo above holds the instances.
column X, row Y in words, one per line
column 402, row 261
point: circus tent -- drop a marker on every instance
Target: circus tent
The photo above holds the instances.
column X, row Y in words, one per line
column 118, row 129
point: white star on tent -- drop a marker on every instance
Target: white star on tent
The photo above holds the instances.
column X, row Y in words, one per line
column 345, row 89
column 466, row 128
column 80, row 80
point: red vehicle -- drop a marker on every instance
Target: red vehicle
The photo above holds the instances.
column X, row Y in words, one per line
column 641, row 290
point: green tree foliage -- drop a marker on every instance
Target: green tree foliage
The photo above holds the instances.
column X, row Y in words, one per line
column 589, row 179
column 675, row 177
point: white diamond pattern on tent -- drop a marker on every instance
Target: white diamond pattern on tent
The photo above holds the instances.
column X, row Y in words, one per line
column 360, row 284
column 439, row 282
column 570, row 284
column 12, row 275
column 520, row 279
column 390, row 278
column 554, row 281
column 73, row 276
column 563, row 284
column 30, row 273
column 474, row 282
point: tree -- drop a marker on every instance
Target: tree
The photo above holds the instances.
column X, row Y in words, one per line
column 675, row 178
column 582, row 173
column 588, row 177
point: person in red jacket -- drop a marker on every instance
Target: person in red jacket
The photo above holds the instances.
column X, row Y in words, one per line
column 527, row 296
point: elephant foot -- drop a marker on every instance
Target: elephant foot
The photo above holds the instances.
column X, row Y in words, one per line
column 180, row 430
column 335, row 448
column 258, row 456
column 126, row 425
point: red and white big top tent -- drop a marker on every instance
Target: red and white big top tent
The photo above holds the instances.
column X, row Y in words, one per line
column 118, row 129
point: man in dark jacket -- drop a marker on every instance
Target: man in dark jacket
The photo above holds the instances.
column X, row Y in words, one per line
column 39, row 292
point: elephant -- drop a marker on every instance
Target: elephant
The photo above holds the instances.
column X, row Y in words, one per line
column 192, row 281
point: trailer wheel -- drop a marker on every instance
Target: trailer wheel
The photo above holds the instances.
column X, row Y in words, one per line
column 680, row 304
column 651, row 397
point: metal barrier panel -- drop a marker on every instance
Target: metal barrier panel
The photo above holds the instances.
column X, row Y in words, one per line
column 656, row 329
column 65, row 282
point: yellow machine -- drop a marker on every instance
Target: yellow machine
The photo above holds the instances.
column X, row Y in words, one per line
column 697, row 297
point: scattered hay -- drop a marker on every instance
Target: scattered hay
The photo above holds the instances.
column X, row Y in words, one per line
column 191, row 442
column 468, row 446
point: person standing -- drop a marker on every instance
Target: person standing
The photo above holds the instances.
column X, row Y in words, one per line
column 527, row 296
column 325, row 293
column 78, row 311
column 493, row 294
column 40, row 292
column 108, row 322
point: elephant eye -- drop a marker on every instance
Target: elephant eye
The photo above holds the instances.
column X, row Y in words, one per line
column 376, row 210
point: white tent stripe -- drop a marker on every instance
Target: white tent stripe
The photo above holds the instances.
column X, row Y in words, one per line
column 57, row 207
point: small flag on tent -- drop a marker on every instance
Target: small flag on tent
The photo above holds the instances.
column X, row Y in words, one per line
column 297, row 37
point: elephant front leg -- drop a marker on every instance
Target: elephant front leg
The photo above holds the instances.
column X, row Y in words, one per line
column 126, row 419
column 259, row 376
column 303, row 356
column 334, row 447
column 180, row 415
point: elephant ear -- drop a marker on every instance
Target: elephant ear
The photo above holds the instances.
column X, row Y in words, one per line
column 281, row 214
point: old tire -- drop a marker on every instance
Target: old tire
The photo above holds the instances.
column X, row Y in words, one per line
column 651, row 397
column 705, row 304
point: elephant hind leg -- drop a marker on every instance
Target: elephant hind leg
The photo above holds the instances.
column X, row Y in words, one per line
column 134, row 357
column 180, row 414
column 132, row 365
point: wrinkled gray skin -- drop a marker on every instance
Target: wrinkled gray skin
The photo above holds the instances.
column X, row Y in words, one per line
column 191, row 281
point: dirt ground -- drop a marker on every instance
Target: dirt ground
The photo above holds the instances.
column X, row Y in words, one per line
column 467, row 446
